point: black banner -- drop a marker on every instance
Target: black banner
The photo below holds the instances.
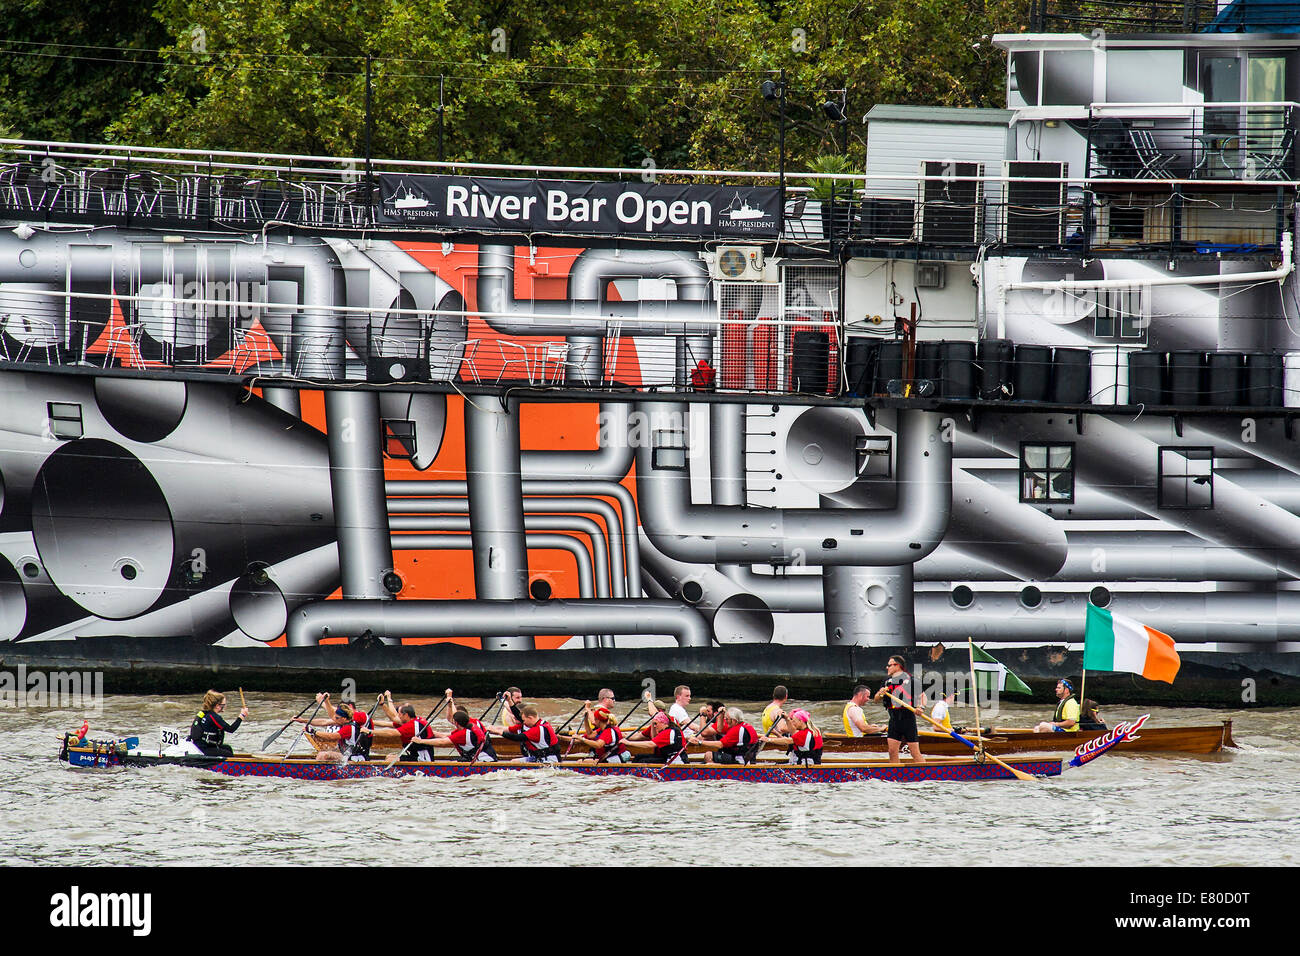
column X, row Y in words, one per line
column 474, row 204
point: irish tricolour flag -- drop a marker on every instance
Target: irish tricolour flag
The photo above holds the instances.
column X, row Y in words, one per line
column 1112, row 642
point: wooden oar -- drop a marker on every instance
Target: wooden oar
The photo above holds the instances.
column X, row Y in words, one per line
column 271, row 739
column 432, row 714
column 570, row 720
column 635, row 708
column 494, row 702
column 1018, row 774
column 319, row 704
column 243, row 704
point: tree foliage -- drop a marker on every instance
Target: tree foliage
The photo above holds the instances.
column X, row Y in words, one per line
column 669, row 83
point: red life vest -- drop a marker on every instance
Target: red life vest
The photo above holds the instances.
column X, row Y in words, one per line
column 806, row 747
column 738, row 741
column 612, row 743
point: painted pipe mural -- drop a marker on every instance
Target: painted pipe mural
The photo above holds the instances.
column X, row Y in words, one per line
column 274, row 515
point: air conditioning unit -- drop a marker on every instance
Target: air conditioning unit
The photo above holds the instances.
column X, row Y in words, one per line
column 931, row 275
column 739, row 263
column 952, row 203
column 1036, row 211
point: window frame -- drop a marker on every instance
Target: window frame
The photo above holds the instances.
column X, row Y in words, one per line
column 1048, row 470
column 1162, row 502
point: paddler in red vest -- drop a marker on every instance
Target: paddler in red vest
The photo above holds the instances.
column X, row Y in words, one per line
column 353, row 738
column 739, row 743
column 604, row 739
column 409, row 726
column 804, row 745
column 902, row 722
column 469, row 737
column 668, row 739
column 536, row 737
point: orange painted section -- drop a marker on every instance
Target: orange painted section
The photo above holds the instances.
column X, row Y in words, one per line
column 447, row 575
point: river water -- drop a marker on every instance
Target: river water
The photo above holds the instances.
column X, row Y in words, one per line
column 1239, row 807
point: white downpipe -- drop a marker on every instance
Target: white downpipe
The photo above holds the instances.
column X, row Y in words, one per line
column 1075, row 285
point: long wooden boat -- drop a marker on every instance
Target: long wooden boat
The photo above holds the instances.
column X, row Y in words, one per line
column 1205, row 739
column 105, row 755
column 1010, row 740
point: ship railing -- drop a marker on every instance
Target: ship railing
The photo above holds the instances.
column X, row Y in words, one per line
column 223, row 333
column 1120, row 16
column 1201, row 145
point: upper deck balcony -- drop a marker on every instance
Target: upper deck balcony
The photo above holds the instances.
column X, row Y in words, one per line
column 474, row 277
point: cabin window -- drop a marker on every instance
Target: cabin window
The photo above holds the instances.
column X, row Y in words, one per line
column 64, row 419
column 1047, row 473
column 1118, row 314
column 1186, row 478
column 874, row 455
column 669, row 451
column 399, row 438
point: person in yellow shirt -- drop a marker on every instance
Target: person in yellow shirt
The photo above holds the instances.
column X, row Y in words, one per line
column 855, row 721
column 774, row 721
column 940, row 711
column 1067, row 711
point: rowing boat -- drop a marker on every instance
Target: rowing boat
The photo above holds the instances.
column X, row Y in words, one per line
column 1010, row 740
column 1002, row 740
column 104, row 754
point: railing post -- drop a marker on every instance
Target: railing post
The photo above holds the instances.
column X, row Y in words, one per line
column 1176, row 222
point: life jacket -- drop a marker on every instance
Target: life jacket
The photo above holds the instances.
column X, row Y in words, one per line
column 902, row 690
column 674, row 747
column 746, row 746
column 546, row 745
column 476, row 742
column 848, row 724
column 809, row 751
column 205, row 731
column 770, row 718
column 614, row 748
column 1060, row 711
column 418, row 751
column 357, row 746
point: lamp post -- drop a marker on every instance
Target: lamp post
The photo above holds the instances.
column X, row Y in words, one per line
column 838, row 114
column 774, row 90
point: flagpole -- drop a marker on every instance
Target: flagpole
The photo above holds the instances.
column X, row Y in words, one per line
column 975, row 692
column 1083, row 685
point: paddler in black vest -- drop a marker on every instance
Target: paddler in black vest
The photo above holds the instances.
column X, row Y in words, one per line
column 208, row 730
column 902, row 722
column 1066, row 716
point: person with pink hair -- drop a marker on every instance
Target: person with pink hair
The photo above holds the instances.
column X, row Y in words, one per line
column 804, row 745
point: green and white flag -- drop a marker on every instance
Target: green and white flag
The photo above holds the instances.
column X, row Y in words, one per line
column 990, row 674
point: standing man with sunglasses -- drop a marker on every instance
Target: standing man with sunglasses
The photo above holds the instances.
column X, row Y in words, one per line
column 902, row 722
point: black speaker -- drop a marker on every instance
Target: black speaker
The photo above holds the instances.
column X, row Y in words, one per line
column 1264, row 371
column 1071, row 376
column 1186, row 367
column 996, row 361
column 929, row 365
column 1033, row 368
column 385, row 369
column 889, row 365
column 1146, row 378
column 811, row 358
column 958, row 370
column 887, row 218
column 1224, row 377
column 860, row 365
